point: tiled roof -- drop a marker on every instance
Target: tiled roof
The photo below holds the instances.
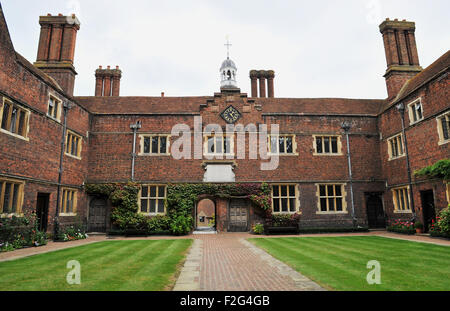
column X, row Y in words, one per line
column 42, row 75
column 141, row 105
column 440, row 66
column 324, row 106
column 160, row 105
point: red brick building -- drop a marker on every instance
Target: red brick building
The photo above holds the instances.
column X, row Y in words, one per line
column 52, row 142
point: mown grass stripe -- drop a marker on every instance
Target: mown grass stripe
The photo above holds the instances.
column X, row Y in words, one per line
column 340, row 262
column 100, row 263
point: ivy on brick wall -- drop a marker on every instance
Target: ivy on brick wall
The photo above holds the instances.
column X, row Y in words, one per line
column 180, row 203
column 440, row 169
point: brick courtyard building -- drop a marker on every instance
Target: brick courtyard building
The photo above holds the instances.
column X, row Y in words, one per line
column 52, row 142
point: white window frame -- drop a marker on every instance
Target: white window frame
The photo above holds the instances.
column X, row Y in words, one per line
column 397, row 205
column 20, row 199
column 401, row 153
column 288, row 196
column 412, row 111
column 26, row 124
column 157, row 198
column 323, row 153
column 343, row 196
column 442, row 139
column 150, row 136
column 276, row 152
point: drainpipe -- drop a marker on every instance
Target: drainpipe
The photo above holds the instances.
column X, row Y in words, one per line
column 134, row 127
column 346, row 127
column 66, row 107
column 401, row 109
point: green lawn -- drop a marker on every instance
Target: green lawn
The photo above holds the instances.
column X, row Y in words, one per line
column 339, row 263
column 105, row 266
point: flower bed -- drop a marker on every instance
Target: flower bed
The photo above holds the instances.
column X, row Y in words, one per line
column 400, row 226
column 282, row 223
column 20, row 232
column 72, row 233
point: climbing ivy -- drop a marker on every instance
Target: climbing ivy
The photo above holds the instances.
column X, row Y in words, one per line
column 180, row 203
column 440, row 169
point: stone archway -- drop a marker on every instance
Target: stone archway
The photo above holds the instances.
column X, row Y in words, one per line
column 205, row 216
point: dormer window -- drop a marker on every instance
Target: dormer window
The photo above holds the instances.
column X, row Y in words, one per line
column 415, row 111
column 54, row 108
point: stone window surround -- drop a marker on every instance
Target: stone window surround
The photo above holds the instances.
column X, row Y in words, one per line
column 411, row 111
column 397, row 208
column 58, row 103
column 440, row 130
column 294, row 145
column 63, row 208
column 297, row 198
column 70, row 134
column 149, row 198
column 142, row 137
column 27, row 121
column 402, row 151
column 343, row 195
column 20, row 200
column 339, row 145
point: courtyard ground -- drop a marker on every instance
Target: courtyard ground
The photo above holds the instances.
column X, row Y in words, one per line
column 228, row 261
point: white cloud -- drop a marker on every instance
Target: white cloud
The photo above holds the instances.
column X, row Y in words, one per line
column 317, row 49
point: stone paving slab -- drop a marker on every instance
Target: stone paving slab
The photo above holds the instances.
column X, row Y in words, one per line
column 189, row 278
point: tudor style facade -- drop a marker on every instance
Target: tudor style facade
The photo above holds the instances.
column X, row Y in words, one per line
column 40, row 116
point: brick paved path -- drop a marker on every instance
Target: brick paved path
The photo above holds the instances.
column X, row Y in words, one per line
column 229, row 262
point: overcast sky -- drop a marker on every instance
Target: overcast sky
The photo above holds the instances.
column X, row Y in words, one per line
column 317, row 48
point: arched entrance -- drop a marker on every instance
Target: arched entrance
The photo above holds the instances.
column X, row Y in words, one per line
column 205, row 216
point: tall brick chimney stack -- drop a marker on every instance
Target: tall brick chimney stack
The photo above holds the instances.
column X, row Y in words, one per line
column 401, row 54
column 254, row 82
column 262, row 76
column 107, row 81
column 57, row 49
column 270, row 75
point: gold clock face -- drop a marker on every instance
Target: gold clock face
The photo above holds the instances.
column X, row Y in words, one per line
column 231, row 115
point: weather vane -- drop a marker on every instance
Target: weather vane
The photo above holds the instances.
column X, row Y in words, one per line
column 228, row 44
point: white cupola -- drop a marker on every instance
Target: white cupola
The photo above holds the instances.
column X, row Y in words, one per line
column 228, row 72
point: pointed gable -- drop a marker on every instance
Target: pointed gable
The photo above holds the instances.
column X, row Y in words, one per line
column 6, row 46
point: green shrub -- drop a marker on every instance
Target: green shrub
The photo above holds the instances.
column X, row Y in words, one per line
column 258, row 229
column 440, row 169
column 444, row 221
column 20, row 232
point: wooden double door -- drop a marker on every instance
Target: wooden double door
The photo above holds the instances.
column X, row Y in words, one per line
column 238, row 215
